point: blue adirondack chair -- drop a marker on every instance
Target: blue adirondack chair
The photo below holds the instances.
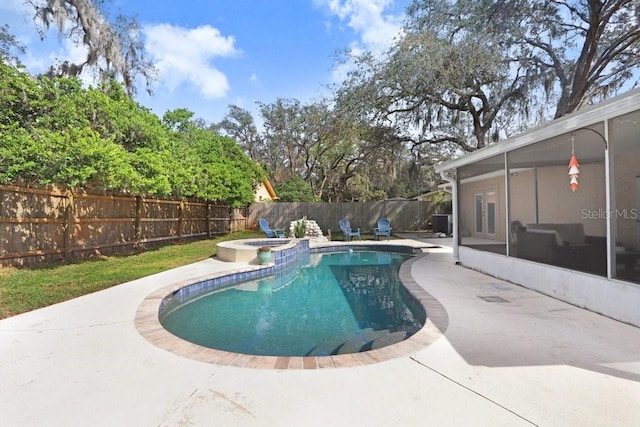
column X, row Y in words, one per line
column 383, row 229
column 270, row 232
column 349, row 232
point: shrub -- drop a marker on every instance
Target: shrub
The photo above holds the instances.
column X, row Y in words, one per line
column 300, row 228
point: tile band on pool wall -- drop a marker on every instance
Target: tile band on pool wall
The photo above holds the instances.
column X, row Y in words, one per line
column 364, row 247
column 148, row 316
column 283, row 258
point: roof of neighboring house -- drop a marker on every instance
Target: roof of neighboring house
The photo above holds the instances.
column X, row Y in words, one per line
column 269, row 188
column 265, row 191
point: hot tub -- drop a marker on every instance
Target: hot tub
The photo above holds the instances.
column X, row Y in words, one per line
column 245, row 250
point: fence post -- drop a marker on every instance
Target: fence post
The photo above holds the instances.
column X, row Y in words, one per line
column 180, row 219
column 138, row 222
column 208, row 215
column 69, row 216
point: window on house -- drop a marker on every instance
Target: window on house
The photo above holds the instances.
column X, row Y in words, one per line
column 556, row 205
column 625, row 218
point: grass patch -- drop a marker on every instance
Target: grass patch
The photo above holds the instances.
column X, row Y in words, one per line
column 26, row 289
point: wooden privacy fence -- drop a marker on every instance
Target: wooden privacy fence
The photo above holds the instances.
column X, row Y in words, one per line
column 405, row 215
column 40, row 226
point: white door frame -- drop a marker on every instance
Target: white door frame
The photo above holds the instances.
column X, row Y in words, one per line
column 485, row 212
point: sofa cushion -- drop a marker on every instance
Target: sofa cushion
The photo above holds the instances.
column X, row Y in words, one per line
column 558, row 240
column 572, row 233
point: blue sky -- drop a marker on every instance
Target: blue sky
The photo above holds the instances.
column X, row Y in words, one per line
column 214, row 53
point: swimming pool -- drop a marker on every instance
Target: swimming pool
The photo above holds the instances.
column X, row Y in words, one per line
column 181, row 286
column 328, row 304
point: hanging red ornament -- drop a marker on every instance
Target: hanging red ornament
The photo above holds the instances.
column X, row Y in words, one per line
column 573, row 168
column 573, row 183
column 574, row 162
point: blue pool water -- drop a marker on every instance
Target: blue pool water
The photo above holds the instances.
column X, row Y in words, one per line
column 338, row 303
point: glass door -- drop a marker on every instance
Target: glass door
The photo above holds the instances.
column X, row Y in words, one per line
column 491, row 206
column 485, row 213
column 479, row 214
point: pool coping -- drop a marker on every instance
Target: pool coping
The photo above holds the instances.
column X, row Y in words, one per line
column 148, row 325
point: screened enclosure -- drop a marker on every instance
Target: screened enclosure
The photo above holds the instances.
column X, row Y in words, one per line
column 567, row 195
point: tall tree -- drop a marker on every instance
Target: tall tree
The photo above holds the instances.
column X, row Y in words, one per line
column 466, row 73
column 434, row 91
column 10, row 47
column 338, row 155
column 598, row 50
column 114, row 48
column 285, row 135
column 574, row 51
column 239, row 124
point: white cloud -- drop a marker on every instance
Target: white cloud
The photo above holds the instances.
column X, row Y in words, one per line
column 368, row 19
column 376, row 30
column 183, row 56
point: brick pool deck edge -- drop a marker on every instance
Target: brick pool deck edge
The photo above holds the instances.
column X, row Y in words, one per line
column 148, row 325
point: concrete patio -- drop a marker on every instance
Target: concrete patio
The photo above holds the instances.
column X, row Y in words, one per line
column 508, row 357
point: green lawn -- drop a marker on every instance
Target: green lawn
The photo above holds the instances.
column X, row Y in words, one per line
column 26, row 289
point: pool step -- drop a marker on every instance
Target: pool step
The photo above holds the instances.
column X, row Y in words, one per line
column 377, row 339
column 367, row 339
column 355, row 344
column 334, row 346
column 329, row 347
column 389, row 339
